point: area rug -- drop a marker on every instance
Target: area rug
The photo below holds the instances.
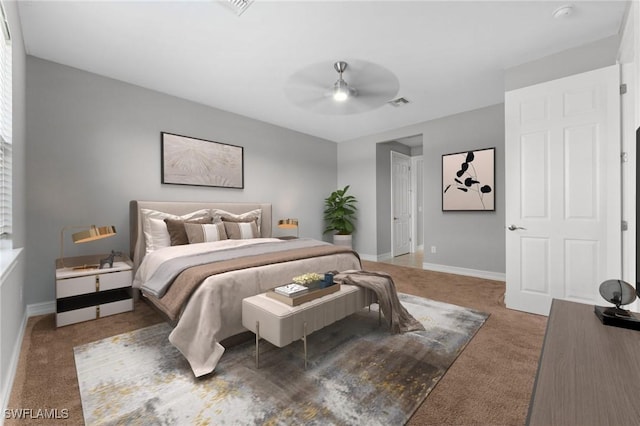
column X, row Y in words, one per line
column 357, row 373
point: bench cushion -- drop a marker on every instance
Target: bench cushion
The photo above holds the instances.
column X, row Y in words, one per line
column 281, row 324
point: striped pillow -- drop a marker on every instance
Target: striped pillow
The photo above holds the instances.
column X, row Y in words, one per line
column 177, row 233
column 241, row 230
column 204, row 233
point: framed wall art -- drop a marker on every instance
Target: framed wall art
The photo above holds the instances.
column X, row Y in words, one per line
column 468, row 181
column 193, row 161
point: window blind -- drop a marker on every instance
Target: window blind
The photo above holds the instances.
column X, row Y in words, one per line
column 6, row 108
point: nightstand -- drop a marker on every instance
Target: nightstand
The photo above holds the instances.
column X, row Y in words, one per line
column 86, row 294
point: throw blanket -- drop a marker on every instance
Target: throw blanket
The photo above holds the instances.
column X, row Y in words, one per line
column 190, row 278
column 382, row 284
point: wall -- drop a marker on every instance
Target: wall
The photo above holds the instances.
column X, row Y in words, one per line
column 12, row 306
column 94, row 145
column 465, row 240
column 482, row 247
column 357, row 168
column 630, row 110
column 383, row 191
column 598, row 54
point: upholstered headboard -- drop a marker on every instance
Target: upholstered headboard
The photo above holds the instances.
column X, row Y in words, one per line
column 137, row 243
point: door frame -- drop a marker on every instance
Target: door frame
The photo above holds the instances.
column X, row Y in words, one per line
column 414, row 201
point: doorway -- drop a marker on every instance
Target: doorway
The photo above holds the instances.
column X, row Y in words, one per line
column 401, row 204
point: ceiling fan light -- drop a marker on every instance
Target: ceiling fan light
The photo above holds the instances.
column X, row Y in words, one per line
column 340, row 91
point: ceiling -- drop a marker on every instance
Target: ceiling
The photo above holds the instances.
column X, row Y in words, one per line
column 447, row 56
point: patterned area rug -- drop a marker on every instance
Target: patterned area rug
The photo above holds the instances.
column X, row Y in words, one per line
column 357, row 373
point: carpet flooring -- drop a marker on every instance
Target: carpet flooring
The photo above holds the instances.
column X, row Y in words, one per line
column 490, row 383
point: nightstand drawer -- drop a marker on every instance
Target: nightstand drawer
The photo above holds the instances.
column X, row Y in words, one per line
column 87, row 284
column 74, row 286
column 115, row 280
column 113, row 308
column 77, row 315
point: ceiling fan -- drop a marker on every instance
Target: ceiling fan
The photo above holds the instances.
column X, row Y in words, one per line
column 361, row 86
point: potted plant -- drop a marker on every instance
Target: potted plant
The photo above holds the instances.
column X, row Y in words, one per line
column 339, row 212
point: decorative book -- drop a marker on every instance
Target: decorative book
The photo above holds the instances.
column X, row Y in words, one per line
column 291, row 290
column 308, row 296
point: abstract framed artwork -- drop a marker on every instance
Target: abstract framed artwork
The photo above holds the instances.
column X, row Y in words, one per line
column 468, row 181
column 199, row 162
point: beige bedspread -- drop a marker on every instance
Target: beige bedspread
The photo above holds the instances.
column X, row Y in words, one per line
column 213, row 295
column 187, row 282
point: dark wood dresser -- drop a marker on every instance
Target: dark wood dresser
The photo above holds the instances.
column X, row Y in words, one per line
column 589, row 373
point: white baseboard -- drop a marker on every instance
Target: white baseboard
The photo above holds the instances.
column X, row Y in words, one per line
column 487, row 275
column 41, row 308
column 13, row 367
column 368, row 257
column 375, row 257
column 385, row 256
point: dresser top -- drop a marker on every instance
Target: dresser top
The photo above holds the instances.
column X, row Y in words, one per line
column 63, row 273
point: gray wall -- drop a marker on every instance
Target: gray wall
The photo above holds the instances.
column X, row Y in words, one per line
column 93, row 144
column 383, row 189
column 472, row 240
column 598, row 54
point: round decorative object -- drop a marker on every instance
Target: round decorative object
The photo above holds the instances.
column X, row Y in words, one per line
column 617, row 292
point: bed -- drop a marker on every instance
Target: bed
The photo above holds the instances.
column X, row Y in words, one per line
column 199, row 286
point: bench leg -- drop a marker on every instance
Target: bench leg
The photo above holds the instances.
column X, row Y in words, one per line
column 304, row 342
column 257, row 344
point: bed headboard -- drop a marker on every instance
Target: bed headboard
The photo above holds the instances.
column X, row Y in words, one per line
column 137, row 243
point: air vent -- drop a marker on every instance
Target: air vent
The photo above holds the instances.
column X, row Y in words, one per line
column 398, row 102
column 239, row 6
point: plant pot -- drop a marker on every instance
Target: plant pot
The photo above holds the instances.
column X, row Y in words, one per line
column 342, row 240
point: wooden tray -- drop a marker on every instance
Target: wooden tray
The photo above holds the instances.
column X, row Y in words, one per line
column 302, row 298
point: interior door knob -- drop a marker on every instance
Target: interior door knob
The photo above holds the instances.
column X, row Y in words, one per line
column 514, row 228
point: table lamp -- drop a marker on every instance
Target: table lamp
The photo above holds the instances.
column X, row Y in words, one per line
column 90, row 233
column 289, row 224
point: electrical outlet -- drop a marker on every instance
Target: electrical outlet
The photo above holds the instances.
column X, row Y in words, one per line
column 433, row 249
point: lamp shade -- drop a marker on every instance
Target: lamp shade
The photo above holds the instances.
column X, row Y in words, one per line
column 93, row 233
column 288, row 223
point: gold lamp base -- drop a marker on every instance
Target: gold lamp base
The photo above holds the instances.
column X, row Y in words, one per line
column 85, row 267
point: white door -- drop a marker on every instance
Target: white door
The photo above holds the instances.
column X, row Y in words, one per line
column 400, row 203
column 562, row 187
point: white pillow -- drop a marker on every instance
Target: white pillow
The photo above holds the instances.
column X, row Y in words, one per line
column 223, row 215
column 155, row 230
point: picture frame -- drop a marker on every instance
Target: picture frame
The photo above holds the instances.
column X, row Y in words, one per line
column 200, row 162
column 468, row 180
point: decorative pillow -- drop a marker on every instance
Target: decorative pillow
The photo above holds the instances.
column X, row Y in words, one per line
column 155, row 230
column 251, row 216
column 241, row 230
column 177, row 233
column 204, row 233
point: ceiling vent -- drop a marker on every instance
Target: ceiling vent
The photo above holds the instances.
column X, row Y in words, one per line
column 398, row 102
column 239, row 6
